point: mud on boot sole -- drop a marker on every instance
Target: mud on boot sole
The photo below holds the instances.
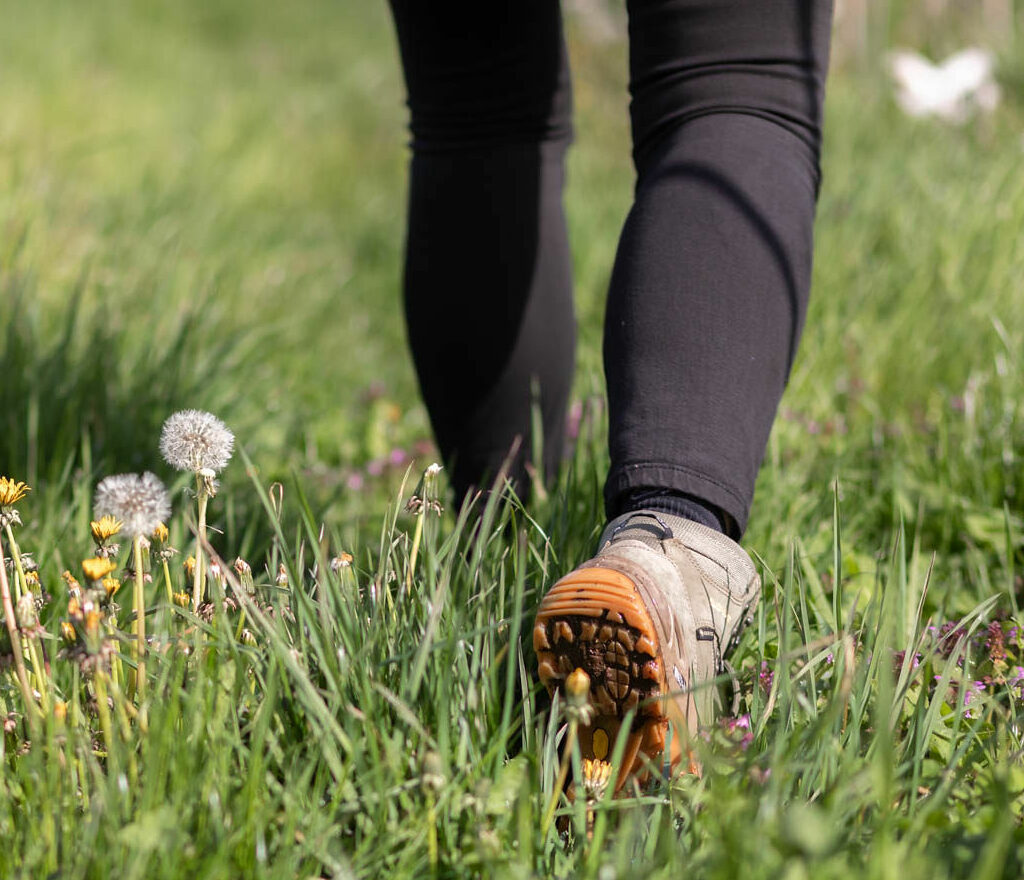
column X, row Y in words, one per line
column 594, row 619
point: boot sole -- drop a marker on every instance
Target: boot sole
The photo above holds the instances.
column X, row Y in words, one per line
column 594, row 619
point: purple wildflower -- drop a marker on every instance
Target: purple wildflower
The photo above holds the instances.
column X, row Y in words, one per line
column 995, row 643
column 740, row 724
column 765, row 677
column 971, row 696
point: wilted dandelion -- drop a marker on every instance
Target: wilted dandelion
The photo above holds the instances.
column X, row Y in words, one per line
column 197, row 441
column 140, row 502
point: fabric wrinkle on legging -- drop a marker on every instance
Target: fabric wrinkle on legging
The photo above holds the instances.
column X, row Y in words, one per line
column 711, row 277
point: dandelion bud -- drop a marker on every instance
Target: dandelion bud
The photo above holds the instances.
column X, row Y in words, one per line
column 74, row 587
column 197, row 441
column 432, row 777
column 432, row 470
column 96, row 569
column 244, row 572
column 111, row 586
column 216, row 572
column 67, row 632
column 32, row 581
column 75, row 608
column 248, row 638
column 190, row 568
column 282, row 576
column 60, row 711
column 577, row 687
column 93, row 619
column 26, row 611
column 182, row 600
column 161, row 533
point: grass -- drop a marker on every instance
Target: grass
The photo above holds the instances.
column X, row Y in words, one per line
column 201, row 206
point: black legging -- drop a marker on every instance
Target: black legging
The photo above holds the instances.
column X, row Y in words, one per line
column 710, row 284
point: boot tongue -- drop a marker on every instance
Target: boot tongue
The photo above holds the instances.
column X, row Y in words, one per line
column 650, row 527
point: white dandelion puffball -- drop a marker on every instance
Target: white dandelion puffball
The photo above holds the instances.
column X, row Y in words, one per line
column 140, row 502
column 193, row 440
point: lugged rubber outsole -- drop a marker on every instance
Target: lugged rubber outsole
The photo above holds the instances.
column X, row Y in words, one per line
column 594, row 619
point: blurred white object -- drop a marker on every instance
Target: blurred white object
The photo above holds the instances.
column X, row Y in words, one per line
column 951, row 90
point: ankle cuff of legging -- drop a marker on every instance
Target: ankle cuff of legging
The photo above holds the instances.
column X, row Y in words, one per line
column 729, row 500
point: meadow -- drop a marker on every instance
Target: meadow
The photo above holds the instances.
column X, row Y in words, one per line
column 201, row 206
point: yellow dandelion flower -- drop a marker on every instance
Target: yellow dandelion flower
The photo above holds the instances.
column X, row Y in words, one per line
column 96, row 569
column 104, row 528
column 74, row 608
column 32, row 581
column 11, row 491
column 70, row 580
column 67, row 631
column 190, row 567
column 60, row 710
column 161, row 533
column 596, row 776
column 111, row 586
column 183, row 600
column 93, row 619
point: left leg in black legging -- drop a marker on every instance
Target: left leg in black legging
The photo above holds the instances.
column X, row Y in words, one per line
column 488, row 288
column 711, row 278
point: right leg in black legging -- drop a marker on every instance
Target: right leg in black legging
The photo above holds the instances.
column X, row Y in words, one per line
column 488, row 287
column 712, row 274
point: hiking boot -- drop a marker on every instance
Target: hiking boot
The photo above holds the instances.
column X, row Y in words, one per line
column 649, row 620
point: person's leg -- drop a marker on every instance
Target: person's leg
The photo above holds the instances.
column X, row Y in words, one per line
column 711, row 279
column 707, row 300
column 488, row 288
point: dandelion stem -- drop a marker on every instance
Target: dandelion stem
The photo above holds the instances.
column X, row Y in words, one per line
column 104, row 712
column 31, row 709
column 200, row 580
column 416, row 538
column 39, row 672
column 140, row 622
column 167, row 583
column 432, row 832
column 19, row 582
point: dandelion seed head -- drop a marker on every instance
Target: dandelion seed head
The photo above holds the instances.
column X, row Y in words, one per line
column 139, row 501
column 197, row 441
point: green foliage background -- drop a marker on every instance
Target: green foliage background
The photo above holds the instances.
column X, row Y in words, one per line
column 201, row 204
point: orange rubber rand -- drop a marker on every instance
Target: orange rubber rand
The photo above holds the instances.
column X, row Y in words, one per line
column 594, row 619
